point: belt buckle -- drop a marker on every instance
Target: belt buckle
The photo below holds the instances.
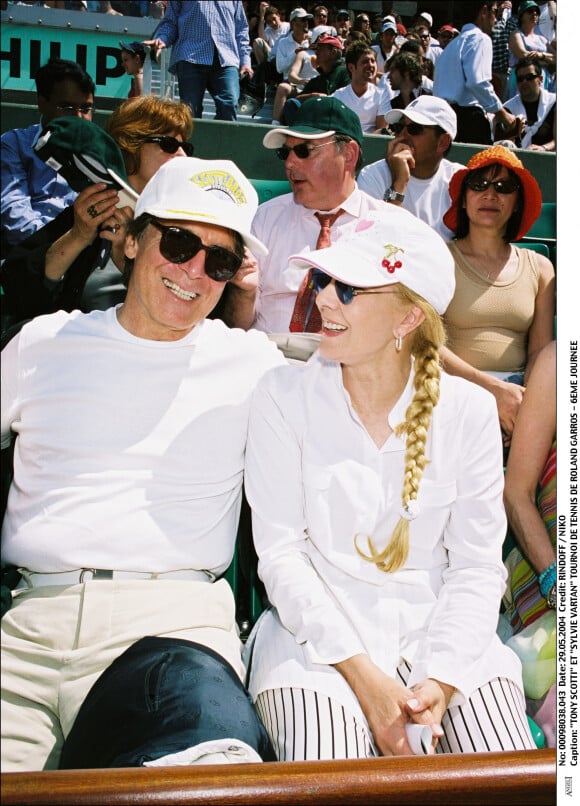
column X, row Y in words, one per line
column 97, row 573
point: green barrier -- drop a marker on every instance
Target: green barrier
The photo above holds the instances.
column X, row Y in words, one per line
column 242, row 143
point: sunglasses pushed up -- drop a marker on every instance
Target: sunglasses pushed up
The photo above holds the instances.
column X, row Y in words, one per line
column 345, row 293
column 170, row 145
column 504, row 186
column 180, row 245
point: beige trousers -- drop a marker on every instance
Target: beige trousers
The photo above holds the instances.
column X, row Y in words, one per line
column 56, row 641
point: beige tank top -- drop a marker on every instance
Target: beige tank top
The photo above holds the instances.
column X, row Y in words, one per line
column 488, row 322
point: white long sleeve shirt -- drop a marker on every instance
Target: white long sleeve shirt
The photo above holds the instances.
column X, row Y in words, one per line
column 315, row 479
column 463, row 74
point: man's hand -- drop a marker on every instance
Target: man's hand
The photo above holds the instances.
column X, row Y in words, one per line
column 401, row 162
column 246, row 71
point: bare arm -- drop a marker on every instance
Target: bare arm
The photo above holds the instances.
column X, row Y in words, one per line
column 508, row 396
column 531, row 443
column 85, row 229
column 541, row 331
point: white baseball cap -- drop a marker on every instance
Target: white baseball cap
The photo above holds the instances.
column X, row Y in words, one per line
column 426, row 16
column 299, row 13
column 428, row 110
column 373, row 251
column 209, row 191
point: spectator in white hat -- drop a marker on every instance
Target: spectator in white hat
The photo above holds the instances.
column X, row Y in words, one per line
column 415, row 172
column 128, row 513
column 375, row 482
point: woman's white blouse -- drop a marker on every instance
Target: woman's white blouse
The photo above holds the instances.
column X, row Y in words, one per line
column 315, row 479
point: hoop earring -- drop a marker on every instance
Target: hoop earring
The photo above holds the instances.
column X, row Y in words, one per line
column 398, row 343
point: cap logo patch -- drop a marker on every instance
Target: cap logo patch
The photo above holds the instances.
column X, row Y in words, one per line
column 223, row 182
column 391, row 251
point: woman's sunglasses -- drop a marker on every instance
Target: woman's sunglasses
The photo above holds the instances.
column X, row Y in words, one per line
column 345, row 293
column 302, row 150
column 504, row 186
column 414, row 129
column 171, row 144
column 180, row 245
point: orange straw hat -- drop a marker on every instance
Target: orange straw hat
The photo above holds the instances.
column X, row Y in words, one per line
column 532, row 203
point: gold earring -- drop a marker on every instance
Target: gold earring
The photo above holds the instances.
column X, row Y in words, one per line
column 398, row 343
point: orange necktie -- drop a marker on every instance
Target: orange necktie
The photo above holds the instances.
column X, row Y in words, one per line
column 306, row 316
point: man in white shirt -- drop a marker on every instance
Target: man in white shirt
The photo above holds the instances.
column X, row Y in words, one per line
column 322, row 180
column 463, row 75
column 287, row 45
column 386, row 47
column 126, row 497
column 415, row 174
column 362, row 94
column 270, row 28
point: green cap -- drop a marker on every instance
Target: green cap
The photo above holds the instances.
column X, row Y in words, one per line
column 317, row 118
column 527, row 4
column 83, row 153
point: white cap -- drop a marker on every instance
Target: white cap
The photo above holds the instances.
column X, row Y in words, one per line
column 375, row 251
column 299, row 13
column 428, row 110
column 209, row 191
column 426, row 16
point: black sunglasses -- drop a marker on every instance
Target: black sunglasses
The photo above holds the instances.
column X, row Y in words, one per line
column 527, row 77
column 413, row 128
column 504, row 186
column 302, row 150
column 180, row 245
column 345, row 293
column 171, row 144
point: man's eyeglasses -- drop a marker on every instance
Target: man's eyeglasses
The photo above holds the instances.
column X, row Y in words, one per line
column 170, row 145
column 413, row 128
column 302, row 150
column 504, row 186
column 75, row 109
column 526, row 77
column 425, row 36
column 345, row 293
column 180, row 245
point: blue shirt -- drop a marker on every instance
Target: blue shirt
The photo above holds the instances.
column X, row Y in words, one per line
column 193, row 29
column 463, row 74
column 32, row 193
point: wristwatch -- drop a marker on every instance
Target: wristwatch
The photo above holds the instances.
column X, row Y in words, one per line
column 392, row 195
column 551, row 598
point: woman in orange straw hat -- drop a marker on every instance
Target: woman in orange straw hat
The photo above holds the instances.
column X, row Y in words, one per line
column 502, row 312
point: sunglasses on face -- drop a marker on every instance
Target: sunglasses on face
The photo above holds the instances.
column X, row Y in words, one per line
column 170, row 145
column 345, row 293
column 527, row 77
column 413, row 128
column 302, row 150
column 504, row 186
column 180, row 245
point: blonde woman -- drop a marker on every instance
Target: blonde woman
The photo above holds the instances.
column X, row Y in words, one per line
column 375, row 482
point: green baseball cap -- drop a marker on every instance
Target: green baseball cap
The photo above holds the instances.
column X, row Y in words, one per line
column 83, row 153
column 317, row 118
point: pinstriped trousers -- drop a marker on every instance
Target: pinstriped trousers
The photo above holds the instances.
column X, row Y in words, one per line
column 308, row 725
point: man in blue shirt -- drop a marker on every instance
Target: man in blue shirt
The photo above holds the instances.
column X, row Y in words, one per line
column 33, row 193
column 463, row 75
column 210, row 50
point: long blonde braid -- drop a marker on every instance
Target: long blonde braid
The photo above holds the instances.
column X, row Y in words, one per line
column 428, row 338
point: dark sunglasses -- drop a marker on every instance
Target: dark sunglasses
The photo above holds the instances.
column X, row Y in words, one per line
column 413, row 128
column 171, row 144
column 527, row 77
column 504, row 186
column 180, row 245
column 425, row 36
column 345, row 293
column 302, row 150
column 75, row 109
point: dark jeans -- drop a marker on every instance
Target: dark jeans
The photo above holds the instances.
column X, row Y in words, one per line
column 472, row 125
column 161, row 696
column 223, row 84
